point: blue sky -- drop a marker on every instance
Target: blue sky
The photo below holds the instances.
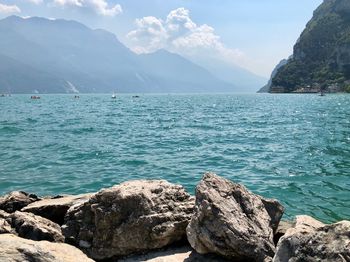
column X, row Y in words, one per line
column 255, row 34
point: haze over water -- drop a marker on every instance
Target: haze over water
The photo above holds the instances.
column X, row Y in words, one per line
column 295, row 148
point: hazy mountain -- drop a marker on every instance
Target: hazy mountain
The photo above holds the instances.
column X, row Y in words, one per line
column 244, row 80
column 167, row 67
column 321, row 57
column 15, row 76
column 59, row 56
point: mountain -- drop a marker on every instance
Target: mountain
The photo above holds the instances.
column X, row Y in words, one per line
column 174, row 72
column 244, row 80
column 266, row 88
column 60, row 56
column 15, row 76
column 321, row 58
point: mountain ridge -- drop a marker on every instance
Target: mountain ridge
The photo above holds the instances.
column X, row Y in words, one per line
column 90, row 60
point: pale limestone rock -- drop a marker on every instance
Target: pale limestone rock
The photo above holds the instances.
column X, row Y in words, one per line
column 16, row 249
column 30, row 226
column 311, row 240
column 129, row 218
column 56, row 208
column 231, row 221
column 16, row 200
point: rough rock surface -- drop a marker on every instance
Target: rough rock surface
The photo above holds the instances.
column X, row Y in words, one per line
column 16, row 201
column 129, row 218
column 56, row 208
column 34, row 227
column 233, row 222
column 283, row 226
column 16, row 249
column 275, row 211
column 174, row 254
column 5, row 227
column 311, row 240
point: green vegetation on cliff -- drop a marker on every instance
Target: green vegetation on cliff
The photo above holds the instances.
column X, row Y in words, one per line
column 321, row 57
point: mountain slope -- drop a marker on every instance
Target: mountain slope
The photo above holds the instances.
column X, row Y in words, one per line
column 72, row 57
column 16, row 74
column 266, row 88
column 243, row 80
column 321, row 58
column 168, row 66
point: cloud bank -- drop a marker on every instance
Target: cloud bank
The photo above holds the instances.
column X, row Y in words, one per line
column 9, row 9
column 180, row 34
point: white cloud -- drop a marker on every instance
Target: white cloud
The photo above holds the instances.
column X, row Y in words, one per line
column 99, row 6
column 150, row 35
column 36, row 2
column 178, row 21
column 180, row 34
column 8, row 9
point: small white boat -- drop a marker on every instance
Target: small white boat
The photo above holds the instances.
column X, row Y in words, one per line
column 114, row 96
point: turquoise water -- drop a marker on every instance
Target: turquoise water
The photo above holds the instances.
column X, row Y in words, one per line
column 295, row 148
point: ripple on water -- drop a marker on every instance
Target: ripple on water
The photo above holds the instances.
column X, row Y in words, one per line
column 10, row 130
column 293, row 148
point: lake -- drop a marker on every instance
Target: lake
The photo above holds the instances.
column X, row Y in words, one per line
column 295, row 148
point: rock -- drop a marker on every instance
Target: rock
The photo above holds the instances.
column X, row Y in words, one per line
column 283, row 226
column 5, row 227
column 16, row 201
column 129, row 218
column 16, row 249
column 174, row 254
column 311, row 240
column 34, row 227
column 231, row 221
column 304, row 224
column 56, row 208
column 275, row 211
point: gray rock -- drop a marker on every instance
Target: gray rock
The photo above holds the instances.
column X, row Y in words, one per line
column 129, row 218
column 275, row 211
column 16, row 249
column 283, row 226
column 311, row 240
column 16, row 201
column 231, row 221
column 5, row 227
column 56, row 208
column 34, row 227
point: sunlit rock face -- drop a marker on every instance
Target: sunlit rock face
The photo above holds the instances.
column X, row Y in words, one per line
column 233, row 222
column 129, row 218
column 321, row 57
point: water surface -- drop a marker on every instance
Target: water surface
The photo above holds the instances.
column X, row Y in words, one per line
column 295, row 148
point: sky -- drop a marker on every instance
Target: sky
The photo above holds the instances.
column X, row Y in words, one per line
column 254, row 34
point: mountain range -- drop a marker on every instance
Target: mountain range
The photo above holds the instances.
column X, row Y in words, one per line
column 39, row 55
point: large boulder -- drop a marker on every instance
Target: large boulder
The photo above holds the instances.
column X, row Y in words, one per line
column 231, row 221
column 16, row 200
column 34, row 227
column 16, row 249
column 55, row 208
column 129, row 218
column 311, row 240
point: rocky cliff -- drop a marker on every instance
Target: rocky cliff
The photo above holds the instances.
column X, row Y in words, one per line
column 321, row 58
column 266, row 88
